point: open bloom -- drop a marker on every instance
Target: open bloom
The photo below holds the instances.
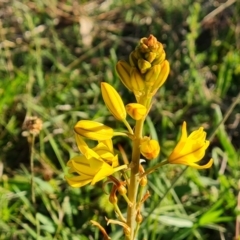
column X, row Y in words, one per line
column 191, row 149
column 93, row 165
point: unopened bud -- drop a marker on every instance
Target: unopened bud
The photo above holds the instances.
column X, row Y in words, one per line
column 139, row 217
column 161, row 77
column 123, row 70
column 113, row 101
column 138, row 85
column 143, row 181
column 122, row 190
column 133, row 58
column 143, row 65
column 150, row 56
column 113, row 198
column 152, row 75
column 149, row 148
column 160, row 57
column 136, row 111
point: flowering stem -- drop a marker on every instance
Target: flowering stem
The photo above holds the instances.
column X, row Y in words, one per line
column 136, row 230
column 152, row 169
column 133, row 187
column 118, row 211
column 120, row 134
column 31, row 142
column 128, row 126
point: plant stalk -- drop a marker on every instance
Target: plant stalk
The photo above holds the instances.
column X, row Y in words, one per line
column 134, row 179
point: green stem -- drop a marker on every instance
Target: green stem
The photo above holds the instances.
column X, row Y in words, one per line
column 136, row 230
column 118, row 211
column 31, row 142
column 152, row 169
column 128, row 126
column 120, row 134
column 134, row 179
column 138, row 207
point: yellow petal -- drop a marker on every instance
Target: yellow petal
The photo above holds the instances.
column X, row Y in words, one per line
column 87, row 169
column 181, row 143
column 207, row 165
column 190, row 149
column 106, row 170
column 78, row 181
column 113, row 101
column 109, row 144
column 93, row 130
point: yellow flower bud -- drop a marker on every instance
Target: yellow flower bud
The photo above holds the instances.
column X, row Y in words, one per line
column 148, row 44
column 160, row 57
column 123, row 70
column 152, row 75
column 150, row 56
column 143, row 181
column 149, row 148
column 133, row 58
column 112, row 197
column 139, row 217
column 122, row 190
column 93, row 130
column 113, row 101
column 136, row 111
column 161, row 77
column 143, row 65
column 138, row 85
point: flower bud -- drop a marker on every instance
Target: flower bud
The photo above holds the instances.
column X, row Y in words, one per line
column 139, row 217
column 149, row 148
column 113, row 101
column 150, row 56
column 123, row 70
column 133, row 58
column 152, row 75
column 143, row 181
column 159, row 58
column 148, row 44
column 93, row 130
column 112, row 197
column 161, row 77
column 122, row 190
column 136, row 111
column 143, row 65
column 138, row 85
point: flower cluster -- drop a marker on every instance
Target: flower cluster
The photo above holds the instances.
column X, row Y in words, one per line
column 144, row 74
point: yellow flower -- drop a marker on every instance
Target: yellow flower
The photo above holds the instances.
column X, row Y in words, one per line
column 149, row 148
column 136, row 111
column 191, row 149
column 93, row 166
column 113, row 101
column 93, row 130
